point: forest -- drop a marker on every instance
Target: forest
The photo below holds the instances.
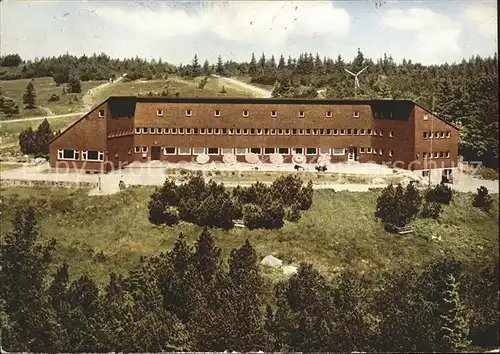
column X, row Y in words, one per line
column 191, row 299
column 464, row 93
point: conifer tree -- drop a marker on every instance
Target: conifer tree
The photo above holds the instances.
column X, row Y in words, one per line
column 281, row 63
column 195, row 67
column 43, row 135
column 252, row 67
column 220, row 66
column 206, row 68
column 29, row 97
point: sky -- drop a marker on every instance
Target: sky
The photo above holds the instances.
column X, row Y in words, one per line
column 428, row 32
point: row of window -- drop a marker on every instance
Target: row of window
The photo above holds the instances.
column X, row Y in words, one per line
column 87, row 155
column 260, row 131
column 243, row 151
column 436, row 155
column 437, row 135
column 246, row 113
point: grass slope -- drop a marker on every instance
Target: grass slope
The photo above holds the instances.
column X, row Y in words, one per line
column 340, row 230
column 45, row 87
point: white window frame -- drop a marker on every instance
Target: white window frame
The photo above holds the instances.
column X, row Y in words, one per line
column 230, row 131
column 159, row 131
column 375, row 132
column 329, row 114
column 381, row 152
column 273, row 131
column 169, row 153
column 321, row 131
column 287, row 131
column 257, row 148
column 381, row 132
column 426, row 116
column 329, row 132
column 101, row 113
column 308, row 131
column 208, row 151
column 424, row 155
column 447, row 154
column 180, row 131
column 369, row 150
column 325, row 151
column 280, row 131
column 342, row 132
column 301, row 132
column 294, row 131
column 183, row 153
column 361, row 150
column 152, row 130
column 274, row 114
column 442, row 135
column 369, row 132
column 375, row 151
column 246, row 113
column 216, row 131
column 284, row 153
column 294, row 151
column 238, row 131
column 362, row 131
column 315, row 131
column 337, row 153
column 137, row 149
column 76, row 155
column 144, row 149
column 436, row 154
column 240, row 151
column 138, row 130
column 217, row 113
column 196, row 150
column 391, row 133
column 196, row 131
column 252, row 131
column 302, row 114
column 226, row 151
column 259, row 131
column 391, row 153
column 210, row 131
column 266, row 131
column 335, row 131
column 145, row 130
column 173, row 131
column 448, row 135
column 269, row 153
column 245, row 131
column 312, row 154
column 159, row 112
column 348, row 131
column 188, row 131
column 189, row 113
column 100, row 155
column 166, row 131
column 355, row 114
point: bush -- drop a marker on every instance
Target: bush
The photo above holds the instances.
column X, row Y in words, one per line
column 398, row 206
column 439, row 194
column 252, row 216
column 431, row 210
column 305, row 196
column 223, row 90
column 482, row 199
column 54, row 98
column 202, row 83
column 264, row 80
column 171, row 216
column 293, row 213
column 156, row 212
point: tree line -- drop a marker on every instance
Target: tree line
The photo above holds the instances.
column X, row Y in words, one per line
column 191, row 299
column 36, row 142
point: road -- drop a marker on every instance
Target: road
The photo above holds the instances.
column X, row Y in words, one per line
column 259, row 91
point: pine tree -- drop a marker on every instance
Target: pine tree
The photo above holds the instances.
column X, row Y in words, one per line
column 29, row 97
column 220, row 66
column 206, row 68
column 455, row 323
column 43, row 135
column 74, row 83
column 281, row 63
column 27, row 141
column 262, row 61
column 252, row 67
column 195, row 67
column 272, row 62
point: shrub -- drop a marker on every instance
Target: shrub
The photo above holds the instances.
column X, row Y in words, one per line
column 54, row 98
column 431, row 210
column 223, row 90
column 171, row 216
column 293, row 213
column 398, row 206
column 482, row 199
column 252, row 216
column 156, row 212
column 287, row 188
column 439, row 194
column 305, row 196
column 202, row 83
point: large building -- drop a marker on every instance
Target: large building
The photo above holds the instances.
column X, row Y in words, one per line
column 125, row 129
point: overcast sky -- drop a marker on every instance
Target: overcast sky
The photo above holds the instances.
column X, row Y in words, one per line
column 430, row 32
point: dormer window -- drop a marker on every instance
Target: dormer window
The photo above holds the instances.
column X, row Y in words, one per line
column 246, row 113
column 329, row 114
column 274, row 114
column 355, row 114
column 217, row 113
column 101, row 113
column 159, row 112
column 301, row 114
column 189, row 113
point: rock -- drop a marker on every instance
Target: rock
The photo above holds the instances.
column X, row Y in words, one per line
column 289, row 270
column 271, row 261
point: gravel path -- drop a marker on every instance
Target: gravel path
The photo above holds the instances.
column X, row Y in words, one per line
column 259, row 91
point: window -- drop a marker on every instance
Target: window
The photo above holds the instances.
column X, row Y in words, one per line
column 245, row 114
column 311, row 151
column 287, row 131
column 375, row 132
column 329, row 114
column 342, row 131
column 328, row 132
column 93, row 155
column 425, row 135
column 173, row 130
column 198, row 151
column 308, row 131
column 217, row 131
column 217, row 113
column 324, row 151
column 230, row 131
column 226, row 151
column 335, row 132
column 442, row 135
column 315, row 131
column 426, row 117
column 144, row 149
column 269, row 151
column 256, row 151
column 355, row 114
column 280, row 131
column 424, row 155
column 381, row 152
column 159, row 130
column 213, row 151
column 441, row 154
column 252, row 131
column 369, row 150
column 436, row 155
column 159, row 112
column 240, row 151
column 203, row 131
column 66, row 154
column 447, row 154
column 322, row 132
column 381, row 132
column 181, row 130
column 189, row 113
column 144, row 130
column 169, row 151
column 210, row 131
column 224, row 131
column 138, row 130
column 356, row 132
column 375, row 114
column 266, row 131
column 273, row 131
column 137, row 149
column 101, row 113
column 188, row 130
column 368, row 132
column 361, row 150
column 274, row 114
column 294, row 131
column 151, row 130
column 338, row 151
column 349, row 131
column 238, row 131
column 391, row 133
column 245, row 131
column 284, row 151
column 375, row 151
column 448, row 134
column 297, row 151
column 195, row 131
column 301, row 114
column 184, row 151
column 425, row 173
column 361, row 132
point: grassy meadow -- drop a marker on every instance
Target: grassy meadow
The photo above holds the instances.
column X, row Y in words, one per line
column 45, row 87
column 339, row 231
column 247, row 79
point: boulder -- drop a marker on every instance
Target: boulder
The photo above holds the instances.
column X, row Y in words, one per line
column 289, row 270
column 271, row 261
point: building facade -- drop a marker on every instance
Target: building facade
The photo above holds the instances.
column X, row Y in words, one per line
column 122, row 130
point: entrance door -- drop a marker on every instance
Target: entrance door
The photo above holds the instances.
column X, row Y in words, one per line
column 155, row 153
column 351, row 154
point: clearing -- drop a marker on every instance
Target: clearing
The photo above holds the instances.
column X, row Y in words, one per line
column 339, row 231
